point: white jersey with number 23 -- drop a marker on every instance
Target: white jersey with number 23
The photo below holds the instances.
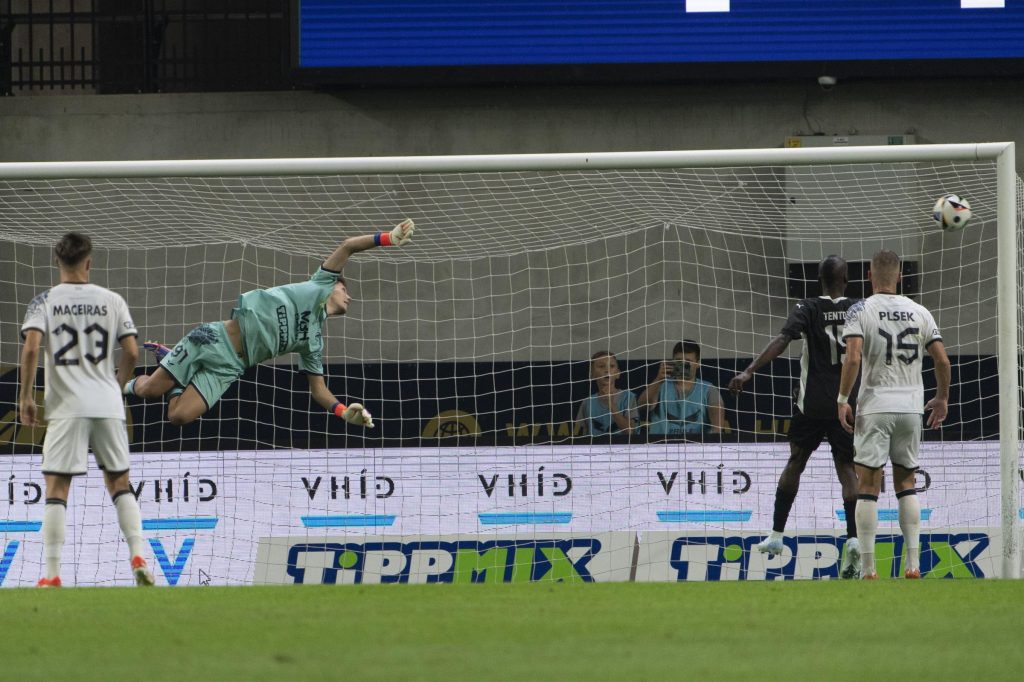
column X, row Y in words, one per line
column 896, row 333
column 81, row 325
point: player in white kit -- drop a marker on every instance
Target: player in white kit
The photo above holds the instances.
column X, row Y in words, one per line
column 80, row 323
column 888, row 334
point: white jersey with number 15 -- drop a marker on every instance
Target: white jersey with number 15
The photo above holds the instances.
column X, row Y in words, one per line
column 81, row 326
column 896, row 333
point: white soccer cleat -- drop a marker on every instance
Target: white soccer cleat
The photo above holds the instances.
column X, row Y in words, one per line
column 851, row 560
column 143, row 577
column 770, row 546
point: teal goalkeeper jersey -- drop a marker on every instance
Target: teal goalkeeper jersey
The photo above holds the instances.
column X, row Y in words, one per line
column 286, row 319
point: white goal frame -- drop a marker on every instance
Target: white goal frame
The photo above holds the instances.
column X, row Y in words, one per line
column 1001, row 153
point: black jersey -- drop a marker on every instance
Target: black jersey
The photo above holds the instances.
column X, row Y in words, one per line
column 819, row 322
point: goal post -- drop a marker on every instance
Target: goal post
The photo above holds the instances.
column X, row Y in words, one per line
column 496, row 275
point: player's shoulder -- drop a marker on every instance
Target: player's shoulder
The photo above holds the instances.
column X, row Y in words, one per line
column 845, row 303
column 323, row 275
column 915, row 305
column 37, row 305
column 103, row 291
column 806, row 307
column 857, row 306
column 109, row 295
column 39, row 299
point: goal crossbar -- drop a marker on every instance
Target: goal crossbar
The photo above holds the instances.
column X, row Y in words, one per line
column 483, row 163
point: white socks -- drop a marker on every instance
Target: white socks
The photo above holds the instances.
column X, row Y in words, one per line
column 129, row 517
column 54, row 516
column 910, row 524
column 867, row 528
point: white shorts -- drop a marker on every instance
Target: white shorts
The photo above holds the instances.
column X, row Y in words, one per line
column 67, row 443
column 880, row 437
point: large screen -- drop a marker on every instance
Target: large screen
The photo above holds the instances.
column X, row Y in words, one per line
column 340, row 34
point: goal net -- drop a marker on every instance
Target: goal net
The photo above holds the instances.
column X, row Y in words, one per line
column 472, row 347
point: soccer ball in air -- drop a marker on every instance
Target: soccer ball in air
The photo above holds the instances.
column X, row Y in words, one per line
column 951, row 212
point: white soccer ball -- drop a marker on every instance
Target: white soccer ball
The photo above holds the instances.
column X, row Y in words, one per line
column 951, row 212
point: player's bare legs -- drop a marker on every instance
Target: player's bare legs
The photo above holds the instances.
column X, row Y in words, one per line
column 183, row 408
column 789, row 486
column 903, row 483
column 129, row 517
column 869, row 484
column 58, row 487
column 155, row 385
column 186, row 408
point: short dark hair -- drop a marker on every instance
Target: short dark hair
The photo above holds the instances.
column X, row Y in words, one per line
column 687, row 346
column 603, row 353
column 72, row 249
column 832, row 271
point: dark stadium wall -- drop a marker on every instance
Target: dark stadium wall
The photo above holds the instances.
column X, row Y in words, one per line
column 466, row 403
column 502, row 120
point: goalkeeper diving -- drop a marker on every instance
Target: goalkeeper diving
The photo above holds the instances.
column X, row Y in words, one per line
column 266, row 324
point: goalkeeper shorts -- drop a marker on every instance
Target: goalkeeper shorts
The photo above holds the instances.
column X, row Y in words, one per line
column 205, row 359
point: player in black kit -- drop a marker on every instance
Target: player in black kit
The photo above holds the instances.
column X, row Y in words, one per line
column 819, row 322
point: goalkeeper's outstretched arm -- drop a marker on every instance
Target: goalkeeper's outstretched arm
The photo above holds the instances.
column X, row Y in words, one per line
column 398, row 236
column 353, row 413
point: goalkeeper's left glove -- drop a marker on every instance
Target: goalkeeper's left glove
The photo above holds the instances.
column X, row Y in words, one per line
column 399, row 236
column 354, row 414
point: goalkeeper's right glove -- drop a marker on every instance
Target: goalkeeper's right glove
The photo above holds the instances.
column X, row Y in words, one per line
column 399, row 236
column 354, row 414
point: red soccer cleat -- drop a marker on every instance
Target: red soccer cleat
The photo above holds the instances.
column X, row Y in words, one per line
column 912, row 574
column 871, row 576
column 49, row 582
column 143, row 577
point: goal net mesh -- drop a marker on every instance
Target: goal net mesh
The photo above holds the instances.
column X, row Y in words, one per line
column 471, row 346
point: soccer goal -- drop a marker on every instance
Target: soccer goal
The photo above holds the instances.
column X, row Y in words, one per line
column 473, row 348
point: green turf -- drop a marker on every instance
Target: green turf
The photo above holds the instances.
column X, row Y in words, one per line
column 795, row 630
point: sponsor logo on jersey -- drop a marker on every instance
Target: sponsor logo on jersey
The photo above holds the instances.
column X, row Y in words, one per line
column 282, row 328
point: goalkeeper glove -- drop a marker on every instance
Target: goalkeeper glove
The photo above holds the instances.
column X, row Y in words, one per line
column 399, row 236
column 354, row 414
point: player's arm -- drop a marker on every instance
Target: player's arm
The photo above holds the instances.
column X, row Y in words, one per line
column 129, row 358
column 939, row 405
column 398, row 236
column 27, row 409
column 773, row 350
column 353, row 414
column 851, row 368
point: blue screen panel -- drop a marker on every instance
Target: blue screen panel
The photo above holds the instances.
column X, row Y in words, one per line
column 403, row 33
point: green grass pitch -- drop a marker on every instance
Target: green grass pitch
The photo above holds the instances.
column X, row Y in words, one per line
column 795, row 630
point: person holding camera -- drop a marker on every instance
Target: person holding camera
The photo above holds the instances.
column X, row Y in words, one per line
column 680, row 404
